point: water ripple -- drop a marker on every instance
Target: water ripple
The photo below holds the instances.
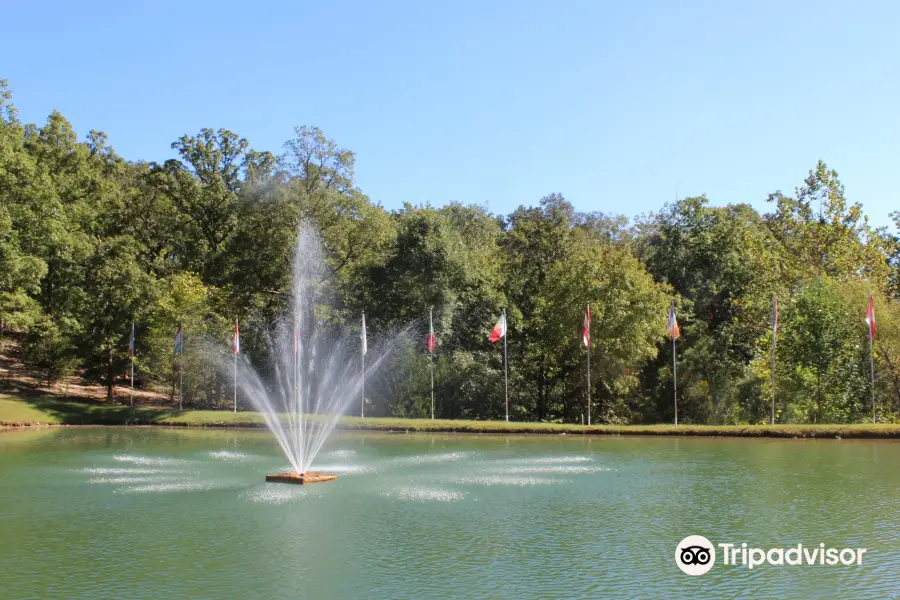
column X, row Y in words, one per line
column 551, row 460
column 279, row 494
column 121, row 480
column 125, row 471
column 509, row 480
column 433, row 458
column 423, row 494
column 181, row 486
column 228, row 455
column 147, row 460
column 566, row 469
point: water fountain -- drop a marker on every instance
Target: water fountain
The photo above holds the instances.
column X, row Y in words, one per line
column 317, row 372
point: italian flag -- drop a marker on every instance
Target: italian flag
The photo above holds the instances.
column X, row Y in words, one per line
column 586, row 329
column 870, row 316
column 499, row 329
column 431, row 340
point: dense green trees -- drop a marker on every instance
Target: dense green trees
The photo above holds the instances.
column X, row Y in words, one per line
column 90, row 242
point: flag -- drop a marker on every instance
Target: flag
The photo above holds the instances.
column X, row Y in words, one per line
column 774, row 316
column 499, row 329
column 674, row 331
column 131, row 342
column 362, row 335
column 586, row 329
column 237, row 338
column 870, row 317
column 179, row 342
column 431, row 340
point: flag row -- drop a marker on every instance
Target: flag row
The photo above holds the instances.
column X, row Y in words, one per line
column 497, row 333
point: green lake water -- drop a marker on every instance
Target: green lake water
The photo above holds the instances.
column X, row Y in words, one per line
column 156, row 513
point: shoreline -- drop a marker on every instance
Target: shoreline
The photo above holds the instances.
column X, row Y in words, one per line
column 389, row 425
column 36, row 412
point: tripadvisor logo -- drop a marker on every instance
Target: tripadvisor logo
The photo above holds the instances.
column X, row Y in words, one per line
column 696, row 555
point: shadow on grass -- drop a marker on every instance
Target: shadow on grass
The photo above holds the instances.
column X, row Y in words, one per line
column 86, row 412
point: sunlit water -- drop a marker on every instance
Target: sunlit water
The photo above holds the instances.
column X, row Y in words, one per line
column 152, row 513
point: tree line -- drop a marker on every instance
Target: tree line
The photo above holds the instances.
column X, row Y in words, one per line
column 90, row 242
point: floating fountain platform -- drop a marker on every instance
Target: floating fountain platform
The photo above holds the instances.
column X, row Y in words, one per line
column 300, row 478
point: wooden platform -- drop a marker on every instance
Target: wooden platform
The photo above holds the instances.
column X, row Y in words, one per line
column 300, row 478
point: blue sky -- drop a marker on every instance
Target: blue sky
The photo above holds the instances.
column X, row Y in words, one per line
column 619, row 106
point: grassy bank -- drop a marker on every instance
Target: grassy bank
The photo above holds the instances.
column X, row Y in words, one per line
column 49, row 411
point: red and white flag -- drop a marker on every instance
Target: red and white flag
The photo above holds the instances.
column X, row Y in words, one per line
column 586, row 329
column 870, row 317
column 672, row 327
column 431, row 340
column 237, row 339
column 499, row 329
column 774, row 315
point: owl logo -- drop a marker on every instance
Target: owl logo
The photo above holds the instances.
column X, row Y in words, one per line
column 695, row 555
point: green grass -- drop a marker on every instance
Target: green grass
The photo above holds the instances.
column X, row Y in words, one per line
column 21, row 410
column 16, row 412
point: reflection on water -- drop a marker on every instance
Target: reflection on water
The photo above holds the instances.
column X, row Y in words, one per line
column 187, row 514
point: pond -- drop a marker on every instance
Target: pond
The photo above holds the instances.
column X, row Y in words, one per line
column 174, row 513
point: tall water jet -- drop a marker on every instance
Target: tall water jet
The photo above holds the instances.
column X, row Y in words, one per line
column 316, row 372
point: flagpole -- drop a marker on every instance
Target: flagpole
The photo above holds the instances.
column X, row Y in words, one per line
column 589, row 366
column 234, row 351
column 362, row 398
column 872, row 371
column 774, row 337
column 672, row 322
column 431, row 356
column 675, row 380
column 131, row 403
column 505, row 364
column 181, row 372
column 872, row 356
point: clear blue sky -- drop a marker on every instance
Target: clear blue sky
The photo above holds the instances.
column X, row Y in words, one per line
column 616, row 105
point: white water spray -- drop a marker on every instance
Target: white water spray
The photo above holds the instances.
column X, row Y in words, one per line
column 317, row 372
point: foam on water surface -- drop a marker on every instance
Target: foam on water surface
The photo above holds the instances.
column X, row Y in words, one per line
column 120, row 471
column 426, row 494
column 564, row 469
column 551, row 460
column 148, row 460
column 124, row 480
column 419, row 459
column 509, row 480
column 228, row 455
column 178, row 486
column 280, row 494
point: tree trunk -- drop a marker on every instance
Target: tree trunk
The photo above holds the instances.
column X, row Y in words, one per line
column 109, row 377
column 818, row 395
column 539, row 409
